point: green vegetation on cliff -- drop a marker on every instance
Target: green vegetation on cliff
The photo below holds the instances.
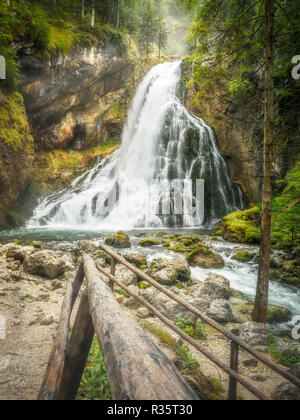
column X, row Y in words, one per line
column 16, row 155
column 244, row 226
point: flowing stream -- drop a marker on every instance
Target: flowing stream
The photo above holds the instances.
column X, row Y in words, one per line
column 161, row 141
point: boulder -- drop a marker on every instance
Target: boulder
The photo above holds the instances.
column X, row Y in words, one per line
column 45, row 264
column 68, row 260
column 119, row 240
column 18, row 252
column 243, row 255
column 220, row 311
column 126, row 276
column 148, row 242
column 215, row 287
column 205, row 258
column 136, row 259
column 254, row 334
column 286, row 392
column 170, row 271
column 143, row 313
column 87, row 246
column 167, row 306
column 277, row 314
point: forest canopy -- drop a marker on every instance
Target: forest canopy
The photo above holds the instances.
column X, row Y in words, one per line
column 48, row 26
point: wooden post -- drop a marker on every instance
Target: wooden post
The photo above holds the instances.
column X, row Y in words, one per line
column 52, row 379
column 234, row 365
column 77, row 351
column 112, row 272
column 137, row 368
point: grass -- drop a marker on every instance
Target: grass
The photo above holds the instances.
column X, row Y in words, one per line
column 191, row 327
column 94, row 385
column 189, row 367
column 56, row 161
column 285, row 360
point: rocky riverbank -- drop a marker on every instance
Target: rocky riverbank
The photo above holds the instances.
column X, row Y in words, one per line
column 33, row 278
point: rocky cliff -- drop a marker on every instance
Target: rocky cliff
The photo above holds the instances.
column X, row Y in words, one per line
column 16, row 154
column 75, row 109
column 239, row 129
column 67, row 97
column 66, row 102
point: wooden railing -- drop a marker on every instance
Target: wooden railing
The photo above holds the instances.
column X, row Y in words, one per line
column 137, row 368
column 131, row 357
column 236, row 342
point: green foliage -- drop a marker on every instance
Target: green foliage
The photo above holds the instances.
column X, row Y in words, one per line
column 290, row 359
column 192, row 328
column 205, row 388
column 242, row 226
column 239, row 89
column 94, row 384
column 286, row 211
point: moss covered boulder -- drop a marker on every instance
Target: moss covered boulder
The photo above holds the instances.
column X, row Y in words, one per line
column 287, row 273
column 145, row 243
column 205, row 258
column 136, row 259
column 119, row 240
column 276, row 314
column 242, row 226
column 243, row 255
column 170, row 272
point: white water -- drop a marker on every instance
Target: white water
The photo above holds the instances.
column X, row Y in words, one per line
column 161, row 141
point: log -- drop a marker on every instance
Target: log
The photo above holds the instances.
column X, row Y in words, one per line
column 77, row 352
column 137, row 368
column 51, row 383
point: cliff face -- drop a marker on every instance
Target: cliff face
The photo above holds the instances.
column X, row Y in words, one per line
column 240, row 139
column 239, row 130
column 67, row 97
column 16, row 154
column 68, row 104
column 238, row 123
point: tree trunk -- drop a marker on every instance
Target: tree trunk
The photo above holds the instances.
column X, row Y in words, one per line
column 118, row 14
column 137, row 368
column 82, row 10
column 262, row 292
column 93, row 14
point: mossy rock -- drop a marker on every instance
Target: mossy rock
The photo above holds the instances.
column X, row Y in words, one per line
column 205, row 258
column 242, row 226
column 243, row 255
column 119, row 240
column 178, row 248
column 36, row 244
column 145, row 243
column 136, row 259
column 276, row 314
column 170, row 271
column 143, row 285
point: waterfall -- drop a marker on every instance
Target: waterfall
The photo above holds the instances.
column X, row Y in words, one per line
column 161, row 141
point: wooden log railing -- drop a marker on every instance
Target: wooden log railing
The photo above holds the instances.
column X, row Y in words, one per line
column 137, row 368
column 236, row 342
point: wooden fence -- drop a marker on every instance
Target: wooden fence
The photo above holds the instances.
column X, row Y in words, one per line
column 137, row 368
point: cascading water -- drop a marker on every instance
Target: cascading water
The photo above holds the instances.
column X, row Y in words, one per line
column 161, row 141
